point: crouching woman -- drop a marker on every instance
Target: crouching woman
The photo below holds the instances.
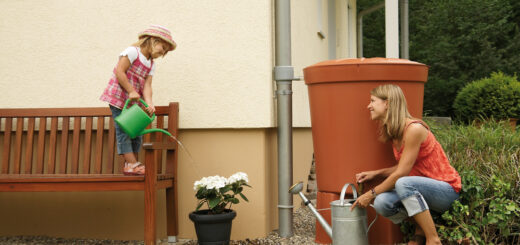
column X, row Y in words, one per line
column 423, row 178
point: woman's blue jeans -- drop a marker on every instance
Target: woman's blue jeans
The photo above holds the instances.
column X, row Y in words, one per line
column 124, row 143
column 413, row 195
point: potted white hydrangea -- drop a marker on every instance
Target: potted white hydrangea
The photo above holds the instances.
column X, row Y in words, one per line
column 219, row 194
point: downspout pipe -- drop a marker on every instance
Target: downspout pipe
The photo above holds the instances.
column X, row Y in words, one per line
column 284, row 75
column 405, row 46
column 360, row 26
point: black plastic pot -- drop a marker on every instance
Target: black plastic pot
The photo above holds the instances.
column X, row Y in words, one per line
column 213, row 229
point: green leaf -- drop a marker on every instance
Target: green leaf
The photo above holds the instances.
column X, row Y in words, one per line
column 234, row 200
column 225, row 189
column 213, row 202
column 198, row 206
column 244, row 197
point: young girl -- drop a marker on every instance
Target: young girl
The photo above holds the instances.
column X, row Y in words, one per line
column 132, row 79
column 422, row 180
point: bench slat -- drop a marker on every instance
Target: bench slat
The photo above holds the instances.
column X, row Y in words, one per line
column 29, row 146
column 159, row 138
column 111, row 148
column 99, row 144
column 128, row 185
column 20, row 178
column 40, row 152
column 66, row 112
column 87, row 151
column 75, row 145
column 18, row 145
column 7, row 145
column 64, row 145
column 51, row 167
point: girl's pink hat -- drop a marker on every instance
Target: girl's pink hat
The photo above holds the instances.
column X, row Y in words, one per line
column 160, row 32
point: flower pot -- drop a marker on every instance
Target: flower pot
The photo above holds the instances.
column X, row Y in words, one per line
column 213, row 228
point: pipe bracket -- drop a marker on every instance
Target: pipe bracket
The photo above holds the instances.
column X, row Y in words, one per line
column 284, row 92
column 284, row 73
column 285, row 206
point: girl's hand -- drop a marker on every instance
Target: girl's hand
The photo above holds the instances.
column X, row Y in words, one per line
column 150, row 109
column 363, row 201
column 365, row 176
column 133, row 96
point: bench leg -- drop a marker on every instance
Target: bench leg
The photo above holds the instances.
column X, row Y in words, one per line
column 150, row 199
column 172, row 227
column 150, row 218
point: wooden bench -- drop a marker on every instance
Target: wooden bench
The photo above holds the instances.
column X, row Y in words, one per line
column 37, row 155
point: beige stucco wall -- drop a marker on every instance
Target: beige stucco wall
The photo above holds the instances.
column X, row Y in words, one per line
column 120, row 215
column 61, row 53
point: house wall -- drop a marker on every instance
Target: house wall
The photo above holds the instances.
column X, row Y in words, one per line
column 61, row 54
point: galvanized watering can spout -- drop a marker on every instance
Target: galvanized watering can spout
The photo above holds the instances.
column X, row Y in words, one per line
column 348, row 227
column 297, row 189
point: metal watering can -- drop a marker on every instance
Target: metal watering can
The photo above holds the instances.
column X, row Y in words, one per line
column 134, row 120
column 348, row 227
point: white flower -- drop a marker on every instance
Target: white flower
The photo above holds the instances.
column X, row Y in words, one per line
column 216, row 182
column 197, row 185
column 213, row 182
column 237, row 177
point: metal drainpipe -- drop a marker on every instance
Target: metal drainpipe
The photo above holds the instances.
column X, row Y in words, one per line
column 360, row 26
column 405, row 54
column 284, row 74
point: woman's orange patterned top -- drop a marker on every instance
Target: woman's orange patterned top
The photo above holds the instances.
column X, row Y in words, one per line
column 431, row 161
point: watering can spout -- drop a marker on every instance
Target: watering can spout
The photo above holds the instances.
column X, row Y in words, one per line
column 297, row 189
column 152, row 130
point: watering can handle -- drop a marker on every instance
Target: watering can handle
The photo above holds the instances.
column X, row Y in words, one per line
column 373, row 221
column 342, row 195
column 142, row 101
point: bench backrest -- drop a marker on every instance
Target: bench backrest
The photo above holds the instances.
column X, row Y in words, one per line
column 70, row 140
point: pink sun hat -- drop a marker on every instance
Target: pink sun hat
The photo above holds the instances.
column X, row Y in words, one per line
column 160, row 32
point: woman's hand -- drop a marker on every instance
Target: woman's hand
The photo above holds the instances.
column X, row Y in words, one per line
column 365, row 176
column 363, row 201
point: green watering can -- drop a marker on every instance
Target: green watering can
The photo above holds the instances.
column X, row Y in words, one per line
column 134, row 121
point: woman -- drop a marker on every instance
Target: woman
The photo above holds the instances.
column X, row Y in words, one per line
column 423, row 178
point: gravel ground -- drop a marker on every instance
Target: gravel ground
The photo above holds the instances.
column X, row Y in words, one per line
column 304, row 229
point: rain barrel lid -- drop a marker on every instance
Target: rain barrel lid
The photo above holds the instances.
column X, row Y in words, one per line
column 365, row 69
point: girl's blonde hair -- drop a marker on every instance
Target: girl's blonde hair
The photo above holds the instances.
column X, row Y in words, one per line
column 393, row 124
column 147, row 43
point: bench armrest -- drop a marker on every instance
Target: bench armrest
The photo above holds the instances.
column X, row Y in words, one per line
column 160, row 146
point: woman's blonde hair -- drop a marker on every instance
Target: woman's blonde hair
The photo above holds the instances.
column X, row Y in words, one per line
column 393, row 123
column 147, row 43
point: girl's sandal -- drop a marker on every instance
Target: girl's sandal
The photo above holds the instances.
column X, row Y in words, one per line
column 133, row 169
column 419, row 239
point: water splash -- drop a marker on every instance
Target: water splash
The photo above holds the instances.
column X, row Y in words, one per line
column 189, row 154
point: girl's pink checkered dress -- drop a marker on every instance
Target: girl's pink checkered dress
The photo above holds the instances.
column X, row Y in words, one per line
column 115, row 95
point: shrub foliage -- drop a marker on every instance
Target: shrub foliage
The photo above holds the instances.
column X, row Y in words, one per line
column 495, row 97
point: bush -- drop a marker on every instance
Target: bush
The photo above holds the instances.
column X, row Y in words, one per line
column 487, row 159
column 495, row 97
